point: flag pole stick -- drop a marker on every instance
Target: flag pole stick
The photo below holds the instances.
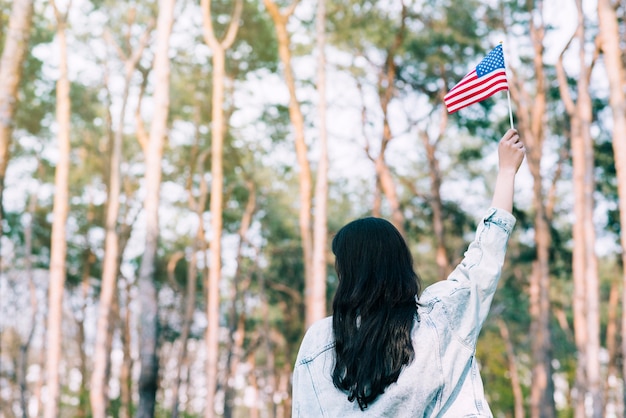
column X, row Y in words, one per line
column 508, row 96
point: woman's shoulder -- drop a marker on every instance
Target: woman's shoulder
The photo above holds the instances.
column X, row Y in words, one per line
column 317, row 339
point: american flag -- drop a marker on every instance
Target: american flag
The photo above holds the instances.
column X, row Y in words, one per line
column 488, row 78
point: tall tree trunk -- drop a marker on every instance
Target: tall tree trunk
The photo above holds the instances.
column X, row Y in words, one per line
column 37, row 391
column 149, row 327
column 316, row 307
column 612, row 325
column 616, row 73
column 110, row 264
column 585, row 269
column 516, row 385
column 254, row 384
column 28, row 268
column 197, row 205
column 237, row 295
column 441, row 253
column 218, row 127
column 386, row 89
column 297, row 120
column 88, row 260
column 127, row 362
column 530, row 113
column 58, row 243
column 11, row 64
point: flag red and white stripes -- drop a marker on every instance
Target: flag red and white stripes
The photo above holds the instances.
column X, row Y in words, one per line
column 488, row 78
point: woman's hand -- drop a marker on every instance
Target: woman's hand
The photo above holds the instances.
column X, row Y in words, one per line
column 511, row 153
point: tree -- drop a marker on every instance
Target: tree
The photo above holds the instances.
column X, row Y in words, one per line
column 320, row 228
column 424, row 68
column 217, row 183
column 153, row 152
column 281, row 18
column 11, row 62
column 614, row 66
column 198, row 246
column 585, row 263
column 58, row 244
column 110, row 270
column 531, row 105
column 386, row 91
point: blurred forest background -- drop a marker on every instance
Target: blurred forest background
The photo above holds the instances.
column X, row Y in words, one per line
column 171, row 173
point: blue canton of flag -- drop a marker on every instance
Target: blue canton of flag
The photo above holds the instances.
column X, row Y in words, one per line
column 493, row 61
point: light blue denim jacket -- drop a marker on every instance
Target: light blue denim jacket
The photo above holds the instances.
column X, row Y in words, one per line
column 443, row 379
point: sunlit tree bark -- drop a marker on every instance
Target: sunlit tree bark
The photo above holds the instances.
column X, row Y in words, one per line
column 110, row 264
column 530, row 111
column 218, row 127
column 58, row 243
column 280, row 19
column 237, row 317
column 89, row 259
column 11, row 63
column 317, row 308
column 386, row 91
column 153, row 151
column 197, row 205
column 611, row 391
column 127, row 363
column 430, row 145
column 516, row 385
column 28, row 269
column 585, row 264
column 610, row 39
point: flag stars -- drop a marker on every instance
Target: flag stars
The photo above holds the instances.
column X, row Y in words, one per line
column 493, row 61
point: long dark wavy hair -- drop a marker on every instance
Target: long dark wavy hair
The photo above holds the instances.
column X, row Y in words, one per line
column 373, row 309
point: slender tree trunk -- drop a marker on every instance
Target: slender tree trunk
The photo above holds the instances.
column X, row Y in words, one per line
column 516, row 385
column 377, row 195
column 237, row 295
column 614, row 64
column 441, row 253
column 192, row 272
column 254, row 384
column 216, row 206
column 531, row 121
column 58, row 244
column 317, row 308
column 127, row 362
column 218, row 126
column 37, row 391
column 612, row 324
column 148, row 337
column 386, row 89
column 83, row 395
column 297, row 120
column 11, row 63
column 585, row 269
column 28, row 269
column 110, row 264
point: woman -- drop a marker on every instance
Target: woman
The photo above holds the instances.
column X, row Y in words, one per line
column 388, row 352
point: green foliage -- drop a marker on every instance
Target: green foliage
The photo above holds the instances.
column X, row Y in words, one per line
column 491, row 356
column 255, row 47
column 36, row 97
column 443, row 39
column 441, row 49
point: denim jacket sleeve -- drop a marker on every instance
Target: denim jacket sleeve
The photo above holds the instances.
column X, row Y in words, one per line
column 466, row 295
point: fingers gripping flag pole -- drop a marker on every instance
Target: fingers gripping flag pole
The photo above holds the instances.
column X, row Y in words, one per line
column 508, row 96
column 488, row 78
